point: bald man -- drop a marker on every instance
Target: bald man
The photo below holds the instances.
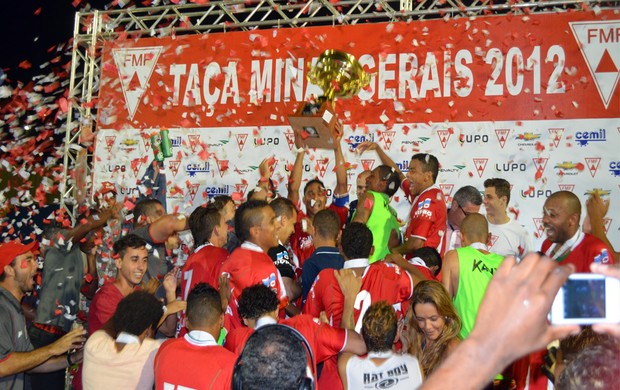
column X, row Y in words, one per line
column 565, row 241
column 468, row 270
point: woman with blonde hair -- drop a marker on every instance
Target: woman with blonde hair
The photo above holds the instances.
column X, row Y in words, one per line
column 433, row 325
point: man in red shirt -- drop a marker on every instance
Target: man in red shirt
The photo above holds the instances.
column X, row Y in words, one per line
column 195, row 361
column 427, row 219
column 210, row 231
column 565, row 241
column 249, row 264
column 315, row 200
column 132, row 263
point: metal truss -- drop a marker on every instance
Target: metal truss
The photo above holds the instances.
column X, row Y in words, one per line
column 92, row 29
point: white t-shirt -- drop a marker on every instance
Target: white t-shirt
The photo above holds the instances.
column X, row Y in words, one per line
column 509, row 239
column 395, row 373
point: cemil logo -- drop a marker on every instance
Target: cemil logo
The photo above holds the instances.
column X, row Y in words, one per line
column 321, row 166
column 193, row 168
column 290, row 139
column 480, row 164
column 614, row 168
column 388, row 137
column 585, row 137
column 174, row 166
column 194, row 141
column 599, row 43
column 447, row 191
column 556, row 135
column 566, row 187
column 593, row 163
column 193, row 190
column 444, row 137
column 241, row 138
column 502, row 136
column 135, row 67
column 368, row 164
column 540, row 228
column 109, row 142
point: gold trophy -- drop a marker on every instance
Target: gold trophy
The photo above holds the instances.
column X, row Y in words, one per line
column 338, row 74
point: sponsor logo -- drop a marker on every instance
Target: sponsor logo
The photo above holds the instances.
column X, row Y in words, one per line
column 133, row 191
column 455, row 168
column 193, row 190
column 444, row 137
column 387, row 137
column 473, row 138
column 447, row 191
column 481, row 165
column 416, row 142
column 510, row 167
column 109, row 142
column 566, row 187
column 259, row 141
column 355, row 140
column 602, row 257
column 176, row 142
column 135, row 67
column 502, row 136
column 321, row 166
column 114, row 168
column 494, row 239
column 212, row 191
column 194, row 141
column 540, row 229
column 193, row 168
column 290, row 139
column 241, row 139
column 569, row 168
column 403, row 166
column 607, row 224
column 599, row 43
column 368, row 164
column 585, row 137
column 135, row 166
column 222, row 166
column 534, row 193
column 556, row 135
column 241, row 188
column 527, row 139
column 614, row 168
column 147, row 142
column 174, row 166
column 593, row 163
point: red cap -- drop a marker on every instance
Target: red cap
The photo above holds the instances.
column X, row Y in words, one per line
column 10, row 250
column 107, row 187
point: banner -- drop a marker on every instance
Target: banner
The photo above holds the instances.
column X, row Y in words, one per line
column 530, row 98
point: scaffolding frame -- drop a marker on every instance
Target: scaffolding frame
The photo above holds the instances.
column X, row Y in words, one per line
column 92, row 29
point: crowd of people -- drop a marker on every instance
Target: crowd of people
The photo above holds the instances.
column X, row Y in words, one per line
column 286, row 291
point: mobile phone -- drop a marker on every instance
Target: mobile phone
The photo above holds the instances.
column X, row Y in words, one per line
column 586, row 299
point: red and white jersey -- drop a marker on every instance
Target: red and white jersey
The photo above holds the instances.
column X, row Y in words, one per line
column 202, row 266
column 428, row 216
column 193, row 361
column 380, row 282
column 247, row 266
column 324, row 340
column 583, row 250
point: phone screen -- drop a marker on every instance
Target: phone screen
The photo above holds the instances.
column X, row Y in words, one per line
column 584, row 298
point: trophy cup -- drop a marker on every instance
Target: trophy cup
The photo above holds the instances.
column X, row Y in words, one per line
column 338, row 74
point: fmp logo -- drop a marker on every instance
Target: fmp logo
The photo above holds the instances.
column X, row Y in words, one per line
column 556, row 135
column 194, row 141
column 566, row 187
column 387, row 137
column 193, row 190
column 109, row 142
column 599, row 43
column 321, row 166
column 444, row 137
column 540, row 228
column 481, row 165
column 135, row 166
column 222, row 166
column 368, row 164
column 540, row 163
column 146, row 139
column 290, row 139
column 502, row 136
column 447, row 191
column 241, row 139
column 493, row 239
column 241, row 188
column 174, row 166
column 592, row 164
column 135, row 67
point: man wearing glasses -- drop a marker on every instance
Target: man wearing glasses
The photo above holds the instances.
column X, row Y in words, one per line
column 466, row 200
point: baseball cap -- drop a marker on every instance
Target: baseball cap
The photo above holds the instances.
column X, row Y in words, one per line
column 10, row 250
column 107, row 187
